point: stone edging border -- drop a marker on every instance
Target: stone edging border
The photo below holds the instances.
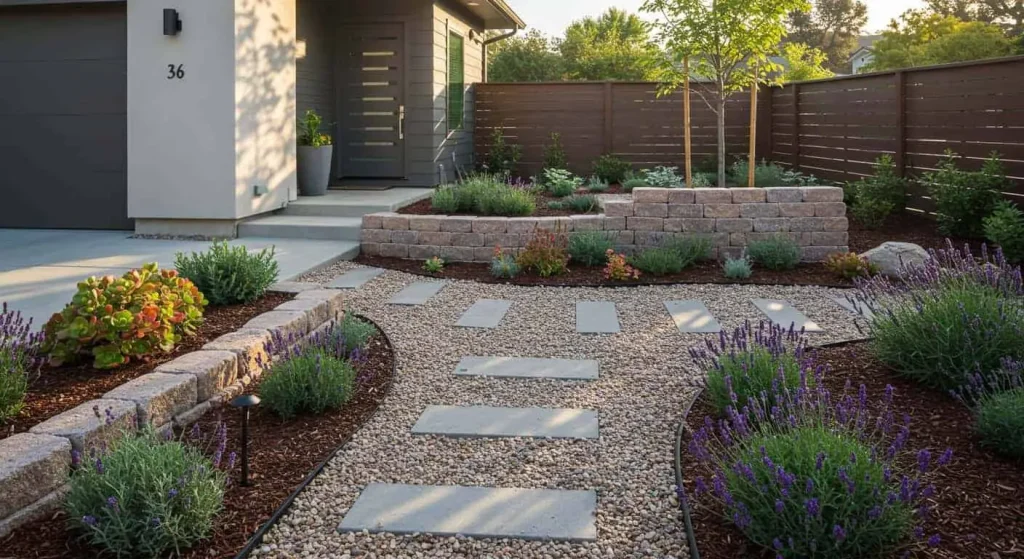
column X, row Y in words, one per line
column 813, row 216
column 35, row 466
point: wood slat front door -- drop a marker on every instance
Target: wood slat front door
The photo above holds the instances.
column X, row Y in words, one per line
column 370, row 81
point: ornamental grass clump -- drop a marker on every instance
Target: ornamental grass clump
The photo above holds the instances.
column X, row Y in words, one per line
column 949, row 318
column 751, row 362
column 998, row 406
column 817, row 475
column 19, row 350
column 229, row 275
column 148, row 496
column 590, row 248
column 777, row 252
column 658, row 261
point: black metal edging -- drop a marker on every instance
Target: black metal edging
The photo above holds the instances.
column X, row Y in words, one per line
column 684, row 506
column 257, row 538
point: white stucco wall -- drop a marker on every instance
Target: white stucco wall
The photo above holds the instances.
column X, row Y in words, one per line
column 197, row 146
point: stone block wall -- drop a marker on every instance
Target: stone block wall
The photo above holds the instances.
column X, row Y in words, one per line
column 813, row 216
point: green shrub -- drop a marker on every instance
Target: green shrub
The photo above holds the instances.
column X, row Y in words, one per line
column 765, row 173
column 507, row 201
column 999, row 422
column 778, row 252
column 702, row 180
column 738, row 268
column 19, row 347
column 229, row 275
column 554, row 153
column 546, row 253
column 707, row 165
column 874, row 198
column 662, row 177
column 433, row 265
column 309, row 131
column 147, row 497
column 581, row 204
column 691, row 249
column 964, row 199
column 560, row 182
column 849, row 265
column 503, row 156
column 611, row 169
column 629, row 184
column 590, row 248
column 351, row 333
column 658, row 261
column 504, row 265
column 1005, row 229
column 597, row 184
column 445, row 200
column 143, row 313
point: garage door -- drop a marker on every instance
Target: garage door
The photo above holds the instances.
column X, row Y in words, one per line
column 63, row 128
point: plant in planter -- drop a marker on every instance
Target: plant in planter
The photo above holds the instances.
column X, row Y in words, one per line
column 315, row 151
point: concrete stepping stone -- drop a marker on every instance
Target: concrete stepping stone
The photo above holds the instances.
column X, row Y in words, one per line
column 485, row 313
column 596, row 317
column 478, row 512
column 487, row 421
column 856, row 306
column 527, row 367
column 354, row 279
column 692, row 316
column 417, row 293
column 783, row 314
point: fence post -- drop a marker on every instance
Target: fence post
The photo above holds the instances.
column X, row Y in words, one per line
column 796, row 127
column 901, row 122
column 609, row 123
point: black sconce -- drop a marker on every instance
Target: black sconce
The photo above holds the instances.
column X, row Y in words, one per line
column 245, row 402
column 172, row 22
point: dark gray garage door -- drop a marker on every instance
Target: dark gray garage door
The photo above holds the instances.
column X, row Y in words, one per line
column 63, row 130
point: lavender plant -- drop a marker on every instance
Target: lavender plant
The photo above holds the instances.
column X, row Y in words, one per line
column 753, row 363
column 998, row 405
column 954, row 315
column 19, row 348
column 813, row 477
column 147, row 495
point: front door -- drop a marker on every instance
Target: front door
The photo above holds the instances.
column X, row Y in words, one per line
column 371, row 97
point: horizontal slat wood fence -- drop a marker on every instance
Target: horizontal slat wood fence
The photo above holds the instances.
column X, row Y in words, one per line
column 834, row 128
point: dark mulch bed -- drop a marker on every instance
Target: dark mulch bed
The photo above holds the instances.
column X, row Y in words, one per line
column 59, row 389
column 908, row 227
column 978, row 508
column 282, row 454
column 702, row 272
column 423, row 206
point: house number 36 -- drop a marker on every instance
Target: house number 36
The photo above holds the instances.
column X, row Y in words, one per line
column 175, row 72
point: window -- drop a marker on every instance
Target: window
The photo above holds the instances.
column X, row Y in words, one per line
column 456, row 81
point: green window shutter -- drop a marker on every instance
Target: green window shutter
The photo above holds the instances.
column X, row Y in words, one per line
column 456, row 81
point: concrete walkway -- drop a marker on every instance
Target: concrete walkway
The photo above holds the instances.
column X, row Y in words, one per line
column 39, row 269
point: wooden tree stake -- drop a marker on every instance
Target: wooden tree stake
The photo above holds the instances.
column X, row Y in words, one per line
column 686, row 120
column 753, row 131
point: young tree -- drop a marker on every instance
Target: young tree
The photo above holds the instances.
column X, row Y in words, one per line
column 804, row 63
column 614, row 46
column 527, row 58
column 923, row 38
column 729, row 43
column 832, row 27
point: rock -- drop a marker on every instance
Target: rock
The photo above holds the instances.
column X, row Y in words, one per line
column 31, row 466
column 158, row 396
column 92, row 424
column 888, row 257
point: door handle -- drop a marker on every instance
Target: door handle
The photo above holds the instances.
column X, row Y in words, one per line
column 401, row 122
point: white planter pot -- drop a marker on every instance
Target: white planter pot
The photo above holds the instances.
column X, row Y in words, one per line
column 314, row 169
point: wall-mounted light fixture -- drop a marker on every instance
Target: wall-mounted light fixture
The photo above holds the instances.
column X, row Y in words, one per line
column 172, row 22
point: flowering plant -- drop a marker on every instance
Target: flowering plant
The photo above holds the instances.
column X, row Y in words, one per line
column 546, row 253
column 148, row 495
column 19, row 347
column 618, row 268
column 813, row 476
column 504, row 265
column 997, row 401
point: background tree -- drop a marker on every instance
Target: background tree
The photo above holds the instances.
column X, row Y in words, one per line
column 965, row 10
column 526, row 58
column 804, row 63
column 923, row 38
column 1008, row 12
column 613, row 46
column 832, row 26
column 729, row 43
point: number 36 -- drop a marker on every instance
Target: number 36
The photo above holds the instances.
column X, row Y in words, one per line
column 175, row 72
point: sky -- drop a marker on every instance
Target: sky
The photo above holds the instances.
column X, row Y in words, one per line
column 552, row 16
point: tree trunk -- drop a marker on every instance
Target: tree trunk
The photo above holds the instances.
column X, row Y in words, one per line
column 721, row 140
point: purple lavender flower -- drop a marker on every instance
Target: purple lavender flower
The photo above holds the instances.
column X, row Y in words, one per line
column 838, row 533
column 76, row 458
column 934, row 540
column 99, row 466
column 700, row 487
column 820, row 461
column 779, row 506
column 112, row 503
column 923, row 460
column 813, row 507
column 89, row 520
column 172, row 493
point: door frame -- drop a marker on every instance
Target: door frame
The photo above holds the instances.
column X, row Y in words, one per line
column 402, row 101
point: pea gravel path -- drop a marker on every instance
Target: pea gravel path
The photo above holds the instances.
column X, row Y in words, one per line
column 646, row 380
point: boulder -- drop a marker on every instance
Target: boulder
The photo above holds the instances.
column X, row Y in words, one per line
column 888, row 257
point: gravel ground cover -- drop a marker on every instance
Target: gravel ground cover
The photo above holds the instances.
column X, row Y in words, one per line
column 646, row 380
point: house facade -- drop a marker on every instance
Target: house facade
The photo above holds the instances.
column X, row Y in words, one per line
column 113, row 115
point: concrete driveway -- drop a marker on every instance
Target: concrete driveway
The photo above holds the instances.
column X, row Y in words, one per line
column 39, row 269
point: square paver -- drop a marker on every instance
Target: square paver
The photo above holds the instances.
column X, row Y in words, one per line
column 485, row 313
column 417, row 293
column 488, row 421
column 528, row 367
column 783, row 314
column 596, row 317
column 479, row 512
column 692, row 316
column 354, row 279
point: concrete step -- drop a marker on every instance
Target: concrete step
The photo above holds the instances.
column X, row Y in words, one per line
column 781, row 313
column 488, row 421
column 417, row 293
column 303, row 227
column 476, row 512
column 527, row 367
column 355, row 203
